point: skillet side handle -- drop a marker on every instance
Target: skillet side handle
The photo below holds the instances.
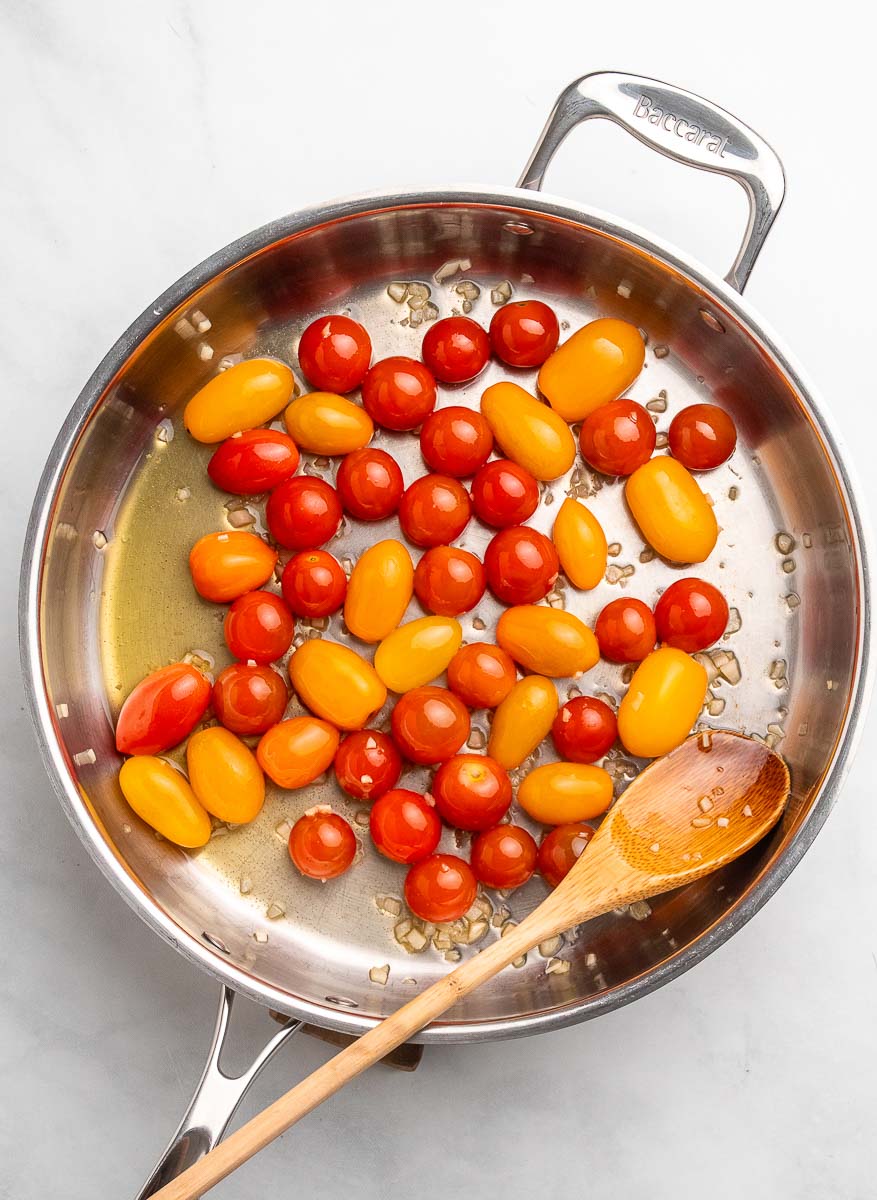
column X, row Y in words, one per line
column 681, row 126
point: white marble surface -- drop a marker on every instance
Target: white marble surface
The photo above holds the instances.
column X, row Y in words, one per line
column 136, row 139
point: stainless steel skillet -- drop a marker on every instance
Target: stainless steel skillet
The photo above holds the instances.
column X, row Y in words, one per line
column 105, row 594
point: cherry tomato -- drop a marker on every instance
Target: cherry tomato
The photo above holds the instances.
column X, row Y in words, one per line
column 584, row 730
column 417, row 652
column 404, row 826
column 472, row 791
column 549, row 641
column 561, row 850
column 521, row 565
column 504, row 857
column 434, row 510
column 367, row 764
column 560, row 792
column 481, row 674
column 618, row 437
column 593, row 367
column 671, row 510
column 226, row 565
column 258, row 627
column 455, row 349
column 334, row 353
column 456, row 441
column 440, row 888
column 504, row 494
column 370, row 484
column 430, row 724
column 524, row 333
column 662, row 703
column 162, row 710
column 702, row 437
column 244, row 396
column 399, row 393
column 297, row 751
column 449, row 581
column 626, row 631
column 224, row 775
column 161, row 796
column 303, row 513
column 528, row 431
column 322, row 844
column 252, row 462
column 249, row 700
column 313, row 583
column 691, row 615
column 336, row 683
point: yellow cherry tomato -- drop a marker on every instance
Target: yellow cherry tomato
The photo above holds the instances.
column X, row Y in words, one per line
column 162, row 797
column 548, row 641
column 672, row 512
column 528, row 432
column 581, row 544
column 598, row 363
column 380, row 589
column 562, row 792
column 662, row 702
column 336, row 684
column 418, row 651
column 225, row 776
column 522, row 720
column 226, row 565
column 324, row 423
column 240, row 398
column 298, row 751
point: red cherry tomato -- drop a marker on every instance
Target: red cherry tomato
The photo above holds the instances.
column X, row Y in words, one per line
column 370, row 484
column 472, row 791
column 249, row 700
column 334, row 353
column 702, row 437
column 163, row 709
column 618, row 437
column 504, row 494
column 404, row 826
column 440, row 888
column 456, row 441
column 455, row 349
column 430, row 724
column 626, row 631
column 449, row 581
column 521, row 565
column 504, row 857
column 303, row 513
column 481, row 674
column 322, row 844
column 691, row 615
column 367, row 764
column 258, row 627
column 584, row 729
column 524, row 333
column 560, row 851
column 434, row 510
column 398, row 393
column 313, row 583
column 252, row 462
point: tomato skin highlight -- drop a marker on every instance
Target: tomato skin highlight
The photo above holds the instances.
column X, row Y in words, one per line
column 249, row 700
column 326, row 423
column 662, row 702
column 246, row 395
column 162, row 710
column 691, row 615
column 448, row 581
column 561, row 793
column 626, row 631
column 334, row 353
column 399, row 393
column 226, row 565
column 584, row 729
column 618, row 437
column 504, row 494
column 370, row 484
column 313, row 584
column 429, row 724
column 561, row 849
column 256, row 461
column 455, row 349
column 504, row 857
column 472, row 791
column 593, row 367
column 702, row 437
column 367, row 764
column 297, row 751
column 380, row 590
column 481, row 674
column 404, row 826
column 440, row 888
column 225, row 775
column 521, row 564
column 162, row 797
column 334, row 682
column 258, row 626
column 322, row 845
column 455, row 441
column 524, row 333
column 434, row 510
column 303, row 513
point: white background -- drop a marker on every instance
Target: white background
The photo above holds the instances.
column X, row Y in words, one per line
column 139, row 137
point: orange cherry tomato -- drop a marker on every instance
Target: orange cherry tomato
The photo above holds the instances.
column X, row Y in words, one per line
column 254, row 461
column 313, row 584
column 322, row 844
column 561, row 792
column 449, row 581
column 527, row 431
column 303, row 513
column 504, row 857
column 546, row 640
column 244, row 396
column 584, row 729
column 618, row 437
column 561, row 849
column 522, row 720
column 472, row 791
column 504, row 494
column 671, row 511
column 227, row 565
column 594, row 366
column 702, row 437
column 162, row 710
column 430, row 724
column 399, row 393
column 524, row 333
column 367, row 764
column 440, row 888
column 626, row 631
column 417, row 652
column 225, row 775
column 258, row 627
column 297, row 751
column 456, row 441
column 380, row 590
column 521, row 565
column 370, row 484
column 325, row 423
column 481, row 674
column 662, row 703
column 691, row 615
column 336, row 684
column 455, row 349
column 581, row 544
column 334, row 353
column 161, row 796
column 434, row 510
column 404, row 826
column 249, row 700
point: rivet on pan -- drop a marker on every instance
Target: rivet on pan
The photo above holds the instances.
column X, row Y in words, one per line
column 521, row 228
column 344, row 1001
column 216, row 943
column 713, row 322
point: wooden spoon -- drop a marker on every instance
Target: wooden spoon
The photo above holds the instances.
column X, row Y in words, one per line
column 686, row 815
